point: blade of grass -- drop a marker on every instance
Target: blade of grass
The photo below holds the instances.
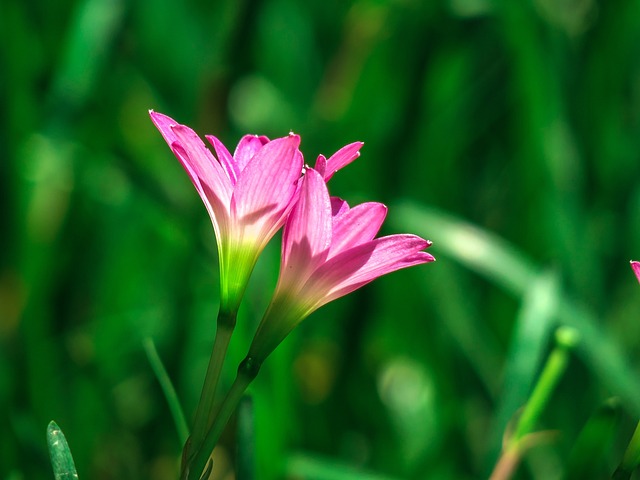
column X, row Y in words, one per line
column 61, row 459
column 168, row 390
column 502, row 264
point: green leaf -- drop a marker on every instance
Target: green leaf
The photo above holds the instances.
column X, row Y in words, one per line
column 588, row 458
column 61, row 458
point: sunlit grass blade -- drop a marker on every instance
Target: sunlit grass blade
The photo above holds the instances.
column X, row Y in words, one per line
column 501, row 263
column 61, row 459
column 168, row 390
column 477, row 249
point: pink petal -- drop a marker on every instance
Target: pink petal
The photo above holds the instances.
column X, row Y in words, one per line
column 636, row 269
column 164, row 123
column 358, row 266
column 247, row 148
column 205, row 172
column 265, row 187
column 200, row 161
column 356, row 226
column 194, row 156
column 225, row 158
column 321, row 165
column 307, row 233
column 299, row 156
column 341, row 158
column 338, row 208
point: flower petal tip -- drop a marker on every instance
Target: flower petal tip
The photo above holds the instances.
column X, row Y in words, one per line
column 295, row 137
column 635, row 265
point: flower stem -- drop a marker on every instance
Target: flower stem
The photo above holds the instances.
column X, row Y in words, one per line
column 524, row 436
column 566, row 338
column 204, row 412
column 247, row 371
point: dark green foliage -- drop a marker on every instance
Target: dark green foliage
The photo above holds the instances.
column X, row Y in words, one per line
column 507, row 132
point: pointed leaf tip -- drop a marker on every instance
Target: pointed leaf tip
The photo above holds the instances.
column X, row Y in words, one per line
column 60, row 454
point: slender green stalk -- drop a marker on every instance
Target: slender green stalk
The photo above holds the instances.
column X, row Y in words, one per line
column 524, row 436
column 204, row 412
column 556, row 364
column 168, row 389
column 247, row 371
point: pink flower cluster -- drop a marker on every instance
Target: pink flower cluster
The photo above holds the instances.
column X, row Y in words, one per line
column 328, row 248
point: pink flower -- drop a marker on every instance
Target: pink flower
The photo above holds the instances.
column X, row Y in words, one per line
column 328, row 251
column 248, row 195
column 636, row 269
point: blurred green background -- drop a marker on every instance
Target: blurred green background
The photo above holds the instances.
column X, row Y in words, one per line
column 508, row 132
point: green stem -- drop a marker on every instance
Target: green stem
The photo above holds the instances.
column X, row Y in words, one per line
column 247, row 371
column 204, row 412
column 556, row 364
column 524, row 436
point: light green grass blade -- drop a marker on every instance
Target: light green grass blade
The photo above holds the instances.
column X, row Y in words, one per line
column 61, row 458
column 502, row 264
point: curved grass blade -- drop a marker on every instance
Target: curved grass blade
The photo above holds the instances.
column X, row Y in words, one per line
column 168, row 390
column 61, row 459
column 499, row 262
